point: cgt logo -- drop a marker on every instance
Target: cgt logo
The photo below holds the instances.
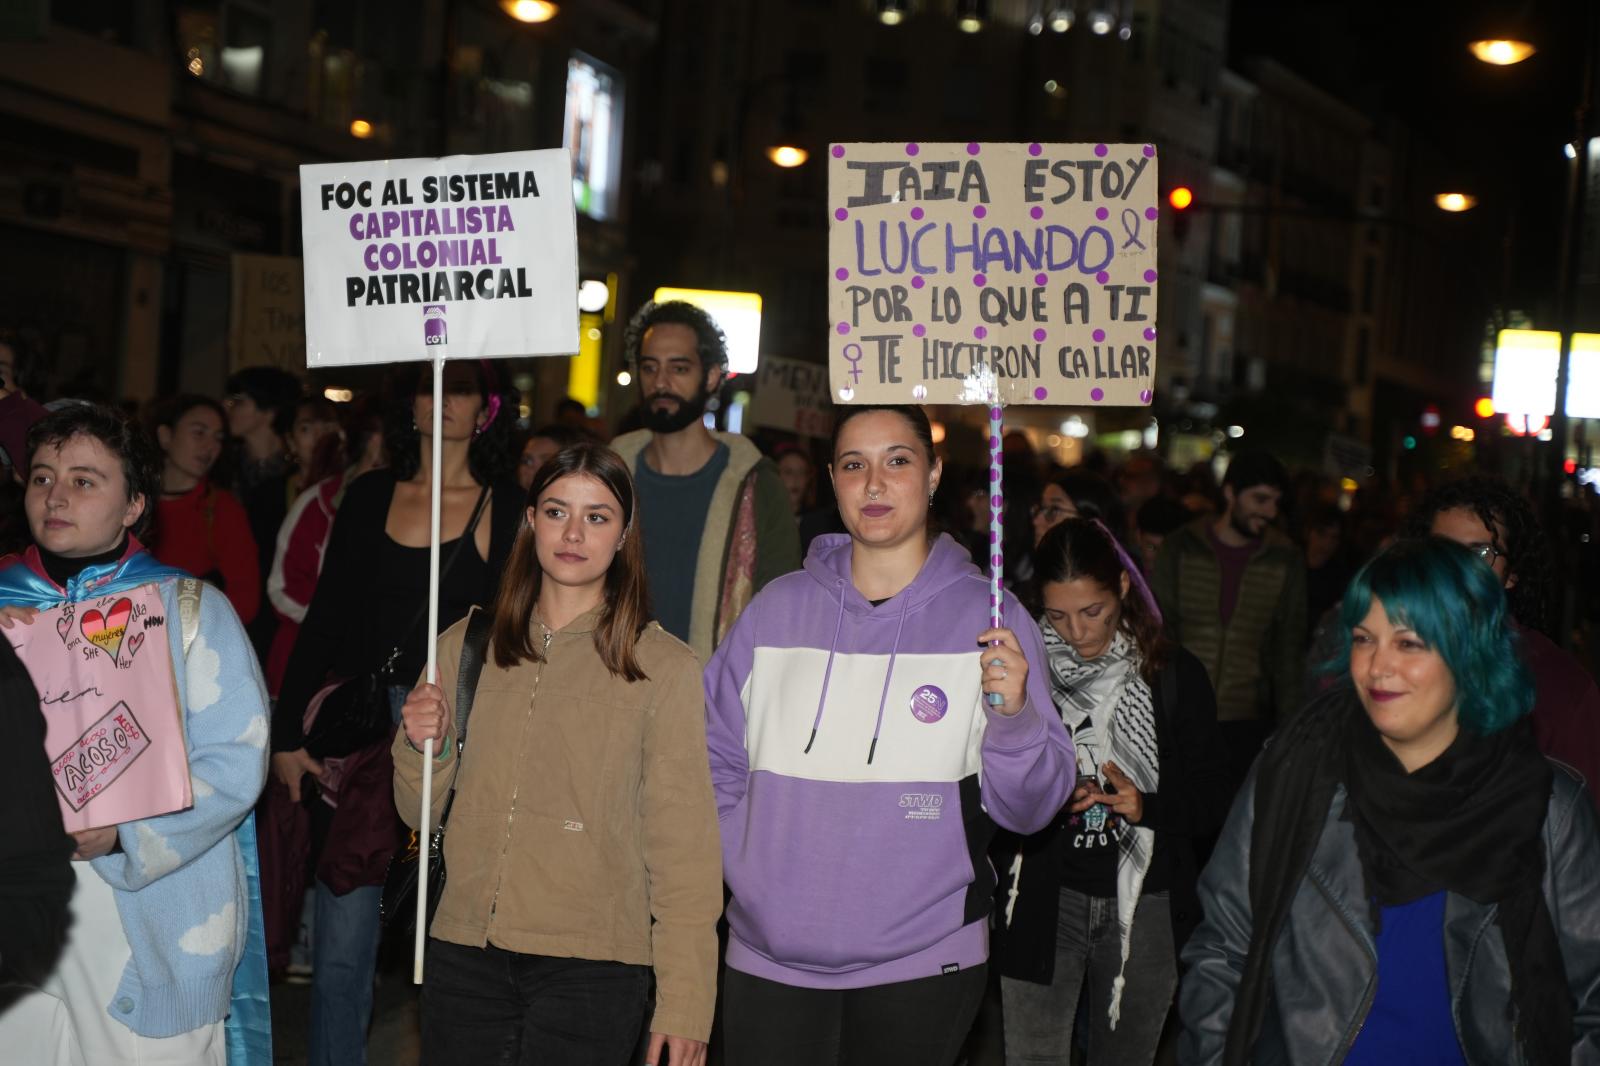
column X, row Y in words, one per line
column 433, row 326
column 922, row 806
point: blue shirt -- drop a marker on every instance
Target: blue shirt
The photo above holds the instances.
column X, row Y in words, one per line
column 1410, row 1020
column 672, row 511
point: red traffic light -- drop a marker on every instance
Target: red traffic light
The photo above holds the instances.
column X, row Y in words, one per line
column 1181, row 197
column 1570, row 466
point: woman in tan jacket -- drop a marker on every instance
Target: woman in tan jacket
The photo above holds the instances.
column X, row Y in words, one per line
column 582, row 846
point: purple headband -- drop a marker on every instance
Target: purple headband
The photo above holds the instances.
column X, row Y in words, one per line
column 491, row 381
column 1134, row 574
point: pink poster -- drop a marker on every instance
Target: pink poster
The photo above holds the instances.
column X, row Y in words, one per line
column 113, row 727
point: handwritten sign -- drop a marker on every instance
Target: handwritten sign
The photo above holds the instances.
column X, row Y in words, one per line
column 792, row 395
column 113, row 728
column 958, row 268
column 464, row 256
column 267, row 326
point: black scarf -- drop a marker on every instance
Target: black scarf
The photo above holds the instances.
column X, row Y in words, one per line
column 1470, row 822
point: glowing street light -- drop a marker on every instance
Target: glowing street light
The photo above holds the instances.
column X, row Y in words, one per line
column 1455, row 202
column 787, row 155
column 361, row 129
column 530, row 10
column 1501, row 52
column 891, row 12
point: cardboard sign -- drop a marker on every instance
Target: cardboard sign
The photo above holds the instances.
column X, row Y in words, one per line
column 267, row 326
column 792, row 395
column 958, row 269
column 113, row 723
column 464, row 256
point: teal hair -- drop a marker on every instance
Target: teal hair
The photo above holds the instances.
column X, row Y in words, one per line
column 1449, row 598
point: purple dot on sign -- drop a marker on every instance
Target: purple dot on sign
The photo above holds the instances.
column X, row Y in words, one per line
column 1040, row 393
column 1151, row 213
column 979, row 279
column 998, row 561
column 994, row 441
column 916, row 213
column 1036, row 213
column 1041, row 279
column 972, row 148
column 841, row 214
column 1149, row 151
column 994, row 413
column 841, row 273
column 843, row 327
column 1099, row 335
column 1144, row 397
column 997, row 501
column 1149, row 333
column 1149, row 275
column 1034, row 148
column 912, row 149
column 1097, row 394
column 1100, row 150
column 994, row 475
column 838, row 151
column 1039, row 334
column 1101, row 213
column 919, row 329
column 979, row 211
column 1102, row 277
column 917, row 282
column 980, row 333
column 994, row 538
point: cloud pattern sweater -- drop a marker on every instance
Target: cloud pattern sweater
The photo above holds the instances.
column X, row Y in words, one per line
column 859, row 775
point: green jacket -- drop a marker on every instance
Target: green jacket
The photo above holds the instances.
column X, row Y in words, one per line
column 749, row 538
column 1256, row 661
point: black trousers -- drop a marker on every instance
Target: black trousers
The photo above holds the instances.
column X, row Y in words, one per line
column 910, row 1023
column 491, row 1007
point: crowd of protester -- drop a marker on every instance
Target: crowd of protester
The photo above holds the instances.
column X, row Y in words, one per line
column 715, row 676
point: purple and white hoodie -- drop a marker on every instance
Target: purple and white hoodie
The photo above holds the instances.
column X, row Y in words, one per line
column 859, row 774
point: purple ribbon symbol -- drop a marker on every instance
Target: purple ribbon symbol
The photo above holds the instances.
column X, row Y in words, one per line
column 854, row 361
column 1131, row 232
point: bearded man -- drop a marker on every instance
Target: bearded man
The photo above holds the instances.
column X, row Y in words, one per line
column 713, row 512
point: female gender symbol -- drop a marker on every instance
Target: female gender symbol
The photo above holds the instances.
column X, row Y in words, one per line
column 854, row 360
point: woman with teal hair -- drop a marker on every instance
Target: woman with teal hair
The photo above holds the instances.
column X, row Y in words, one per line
column 1404, row 878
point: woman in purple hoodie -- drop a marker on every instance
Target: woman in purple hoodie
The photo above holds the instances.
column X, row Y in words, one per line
column 867, row 731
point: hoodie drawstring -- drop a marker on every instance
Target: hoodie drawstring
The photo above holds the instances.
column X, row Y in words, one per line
column 833, row 646
column 894, row 650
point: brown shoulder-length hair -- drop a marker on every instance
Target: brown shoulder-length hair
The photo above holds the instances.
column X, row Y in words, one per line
column 627, row 596
column 1082, row 547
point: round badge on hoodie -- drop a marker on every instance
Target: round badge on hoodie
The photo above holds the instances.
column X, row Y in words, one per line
column 929, row 703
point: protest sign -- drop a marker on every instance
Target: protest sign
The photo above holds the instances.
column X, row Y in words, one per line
column 792, row 396
column 113, row 724
column 464, row 256
column 966, row 273
column 267, row 324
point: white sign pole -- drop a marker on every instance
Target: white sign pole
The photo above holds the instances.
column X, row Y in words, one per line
column 434, row 496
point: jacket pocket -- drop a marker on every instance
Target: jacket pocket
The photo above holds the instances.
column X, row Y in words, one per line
column 559, row 879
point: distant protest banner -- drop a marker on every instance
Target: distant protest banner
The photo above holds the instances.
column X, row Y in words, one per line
column 464, row 256
column 792, row 395
column 958, row 268
column 113, row 727
column 267, row 324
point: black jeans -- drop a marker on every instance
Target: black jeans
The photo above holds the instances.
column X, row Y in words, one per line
column 491, row 1007
column 910, row 1023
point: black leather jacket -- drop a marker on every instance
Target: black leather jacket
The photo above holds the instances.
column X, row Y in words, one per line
column 1324, row 965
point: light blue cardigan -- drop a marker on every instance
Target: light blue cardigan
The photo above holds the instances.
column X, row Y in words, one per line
column 185, row 890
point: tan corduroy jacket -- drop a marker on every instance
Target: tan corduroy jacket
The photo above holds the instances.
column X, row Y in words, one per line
column 583, row 811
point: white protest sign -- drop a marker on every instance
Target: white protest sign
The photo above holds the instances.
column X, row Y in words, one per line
column 462, row 256
column 792, row 395
column 956, row 268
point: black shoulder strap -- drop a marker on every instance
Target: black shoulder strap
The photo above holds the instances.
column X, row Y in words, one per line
column 473, row 645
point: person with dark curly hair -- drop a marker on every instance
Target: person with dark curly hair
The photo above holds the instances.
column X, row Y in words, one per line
column 712, row 494
column 367, row 617
column 1498, row 525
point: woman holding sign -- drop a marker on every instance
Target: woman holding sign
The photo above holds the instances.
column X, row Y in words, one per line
column 582, row 840
column 367, row 621
column 868, row 729
column 165, row 941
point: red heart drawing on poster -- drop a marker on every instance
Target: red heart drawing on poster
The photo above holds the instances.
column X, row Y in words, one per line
column 105, row 631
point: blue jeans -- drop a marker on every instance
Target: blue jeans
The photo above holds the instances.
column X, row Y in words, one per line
column 345, row 935
column 1039, row 1018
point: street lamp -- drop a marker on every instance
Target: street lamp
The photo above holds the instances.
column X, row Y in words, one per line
column 787, row 156
column 1455, row 202
column 891, row 12
column 969, row 15
column 529, row 10
column 1502, row 51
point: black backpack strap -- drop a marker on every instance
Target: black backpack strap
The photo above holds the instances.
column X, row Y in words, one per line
column 473, row 646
